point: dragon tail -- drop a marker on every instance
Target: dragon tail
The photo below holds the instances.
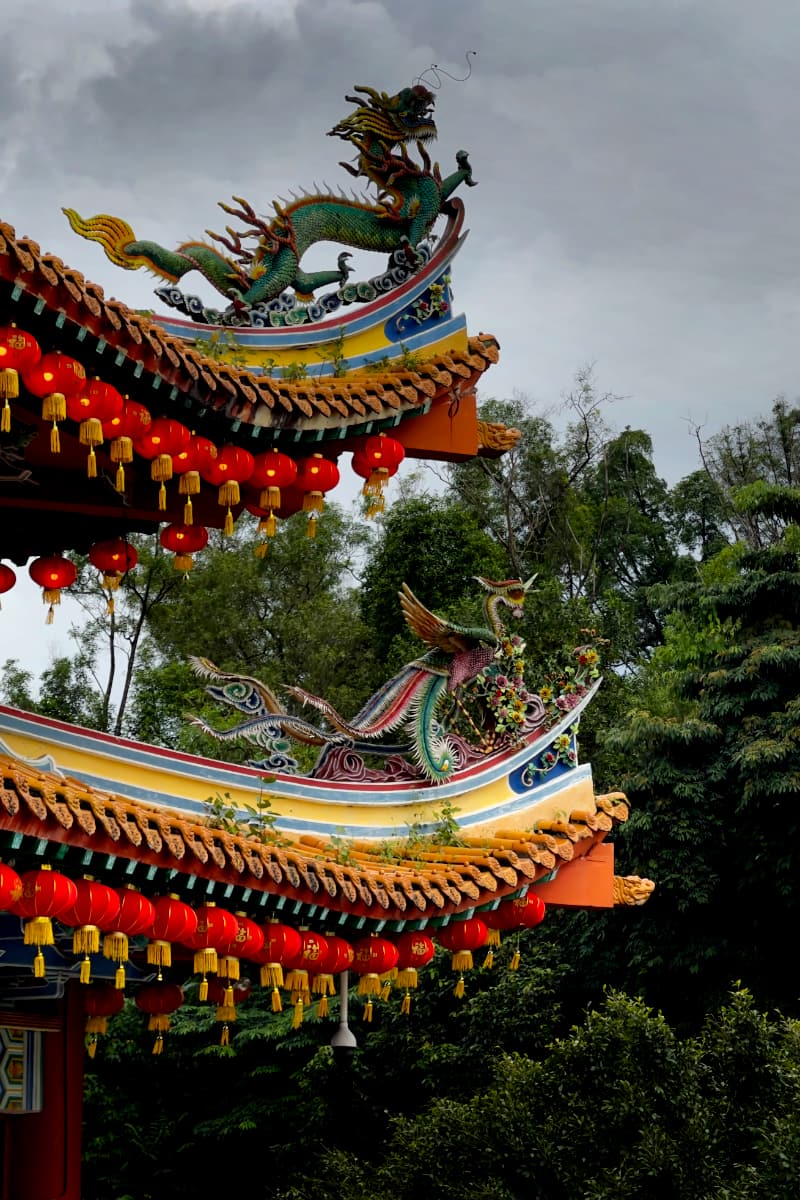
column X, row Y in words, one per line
column 121, row 247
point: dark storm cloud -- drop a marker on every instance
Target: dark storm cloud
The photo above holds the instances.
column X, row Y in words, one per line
column 638, row 163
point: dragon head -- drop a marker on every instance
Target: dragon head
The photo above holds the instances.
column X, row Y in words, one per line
column 391, row 120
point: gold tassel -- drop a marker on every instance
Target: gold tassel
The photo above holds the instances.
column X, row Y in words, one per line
column 272, row 975
column 268, row 525
column 9, row 385
column 158, row 1023
column 38, row 932
column 462, row 960
column 225, row 1037
column 313, row 502
column 119, row 482
column 55, row 440
column 50, row 616
column 376, row 505
column 408, row 977
column 369, row 985
column 297, row 1015
column 488, row 962
column 183, row 562
column 311, row 527
column 38, row 965
column 90, row 432
column 277, row 1005
column 159, row 954
column 158, row 1045
column 261, row 549
column 494, row 938
column 297, row 980
column 189, row 485
column 5, row 418
column 86, row 971
column 91, row 464
column 228, row 968
column 54, row 407
column 458, row 990
column 91, row 1049
column 162, row 498
column 405, row 1007
column 188, row 513
column 322, row 1008
column 115, row 947
column 323, row 984
column 110, row 606
column 86, row 940
column 121, row 449
column 119, row 978
column 229, row 492
column 97, row 1025
column 161, row 468
column 368, row 1011
column 202, row 993
column 205, row 961
column 386, row 990
column 515, row 961
column 228, row 526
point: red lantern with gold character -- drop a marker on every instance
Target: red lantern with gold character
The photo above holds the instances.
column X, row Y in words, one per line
column 282, row 945
column 45, row 894
column 19, row 352
column 247, row 943
column 415, row 950
column 215, row 930
column 52, row 573
column 232, row 466
column 164, row 438
column 174, row 921
column 271, row 472
column 8, row 578
column 122, row 431
column 461, row 938
column 313, row 947
column 315, row 476
column 135, row 918
column 338, row 957
column 90, row 407
column 373, row 956
column 189, row 463
column 184, row 541
column 95, row 910
column 159, row 1000
column 10, row 888
column 376, row 461
column 100, row 1001
column 55, row 377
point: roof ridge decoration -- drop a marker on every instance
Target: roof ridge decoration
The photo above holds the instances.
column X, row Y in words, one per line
column 259, row 266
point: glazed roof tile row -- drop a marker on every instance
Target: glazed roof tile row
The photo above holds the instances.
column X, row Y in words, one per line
column 236, row 392
column 399, row 880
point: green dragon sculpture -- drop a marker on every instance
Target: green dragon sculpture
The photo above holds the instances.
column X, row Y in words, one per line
column 265, row 257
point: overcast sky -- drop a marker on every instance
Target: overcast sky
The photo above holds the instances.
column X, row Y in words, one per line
column 638, row 165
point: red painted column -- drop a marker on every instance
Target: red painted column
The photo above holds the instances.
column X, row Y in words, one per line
column 43, row 1150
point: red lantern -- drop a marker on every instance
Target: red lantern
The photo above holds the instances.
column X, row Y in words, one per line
column 114, row 559
column 19, row 352
column 7, row 578
column 45, row 894
column 136, row 916
column 52, row 379
column 159, row 1000
column 174, row 921
column 215, row 930
column 95, row 909
column 10, row 888
column 122, row 431
column 373, row 956
column 338, row 957
column 52, row 573
column 525, row 912
column 282, row 945
column 164, row 438
column 189, row 463
column 315, row 476
column 313, row 947
column 183, row 541
column 91, row 406
column 247, row 943
column 376, row 461
column 461, row 938
column 232, row 467
column 415, row 950
column 271, row 472
column 100, row 1001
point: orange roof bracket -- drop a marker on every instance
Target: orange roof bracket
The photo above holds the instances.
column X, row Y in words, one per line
column 447, row 432
column 586, row 882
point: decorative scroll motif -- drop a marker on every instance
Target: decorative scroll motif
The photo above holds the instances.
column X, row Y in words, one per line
column 632, row 890
column 285, row 310
column 263, row 258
